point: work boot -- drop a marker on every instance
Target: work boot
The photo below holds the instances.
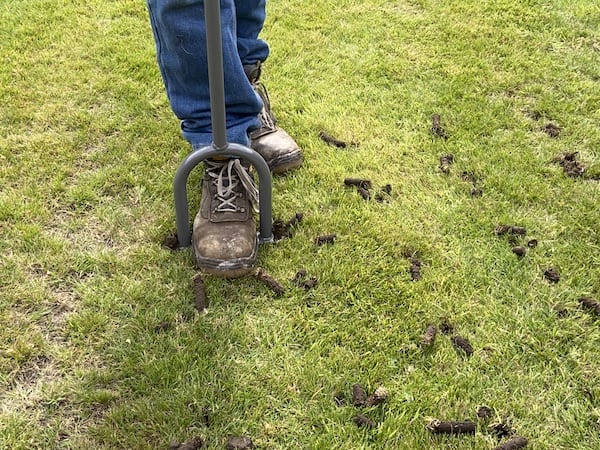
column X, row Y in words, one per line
column 224, row 237
column 277, row 147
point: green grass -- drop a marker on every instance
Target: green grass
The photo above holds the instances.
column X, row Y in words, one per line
column 88, row 150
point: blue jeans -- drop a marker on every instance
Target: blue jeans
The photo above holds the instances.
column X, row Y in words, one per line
column 180, row 36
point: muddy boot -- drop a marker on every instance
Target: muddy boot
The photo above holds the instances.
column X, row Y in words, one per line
column 224, row 237
column 277, row 147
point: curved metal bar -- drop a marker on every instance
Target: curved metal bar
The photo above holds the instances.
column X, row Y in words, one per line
column 230, row 150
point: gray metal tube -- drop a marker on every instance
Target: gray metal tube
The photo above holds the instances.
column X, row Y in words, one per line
column 214, row 44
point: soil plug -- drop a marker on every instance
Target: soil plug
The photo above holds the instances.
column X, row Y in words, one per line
column 552, row 275
column 377, row 398
column 590, row 304
column 446, row 327
column 552, row 130
column 192, row 444
column 271, row 283
column 513, row 444
column 502, row 230
column 328, row 139
column 429, row 336
column 445, row 162
column 239, row 443
column 461, row 343
column 358, row 182
column 519, row 251
column 484, row 412
column 364, row 193
column 415, row 269
column 436, row 127
column 363, row 422
column 325, row 239
column 358, row 395
column 454, row 427
column 171, row 242
column 532, row 243
column 201, row 301
column 502, row 429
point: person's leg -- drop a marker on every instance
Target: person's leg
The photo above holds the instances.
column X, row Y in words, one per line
column 224, row 233
column 278, row 149
column 250, row 17
column 179, row 32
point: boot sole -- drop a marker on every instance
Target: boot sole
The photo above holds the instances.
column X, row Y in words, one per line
column 285, row 163
column 233, row 268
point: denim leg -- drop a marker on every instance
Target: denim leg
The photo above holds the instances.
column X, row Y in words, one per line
column 179, row 33
column 250, row 20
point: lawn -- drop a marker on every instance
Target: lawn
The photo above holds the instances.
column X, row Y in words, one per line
column 101, row 345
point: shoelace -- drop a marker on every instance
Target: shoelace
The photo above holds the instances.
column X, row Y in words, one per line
column 227, row 176
column 267, row 120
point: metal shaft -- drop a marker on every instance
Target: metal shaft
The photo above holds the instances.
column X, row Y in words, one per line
column 212, row 17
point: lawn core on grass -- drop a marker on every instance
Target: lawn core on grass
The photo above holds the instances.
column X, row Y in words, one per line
column 359, row 396
column 328, row 139
column 171, row 242
column 452, row 427
column 552, row 275
column 362, row 421
column 193, row 444
column 519, row 250
column 590, row 304
column 571, row 167
column 301, row 281
column 485, row 412
column 501, row 429
column 462, row 344
column 269, row 281
column 502, row 230
column 436, row 127
column 513, row 444
column 283, row 230
column 325, row 239
column 552, row 130
column 446, row 327
column 429, row 336
column 377, row 398
column 445, row 162
column 201, row 302
column 415, row 269
column 239, row 443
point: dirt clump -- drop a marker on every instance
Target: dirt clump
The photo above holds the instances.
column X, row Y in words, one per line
column 377, row 398
column 171, row 241
column 502, row 230
column 515, row 443
column 552, row 130
column 363, row 422
column 446, row 327
column 437, row 129
column 532, row 243
column 446, row 161
column 451, row 427
column 359, row 396
column 462, row 344
column 269, row 281
column 239, row 443
column 328, row 139
column 501, row 429
column 301, row 281
column 283, row 230
column 590, row 304
column 415, row 269
column 552, row 275
column 358, row 182
column 193, row 444
column 384, row 194
column 163, row 326
column 571, row 166
column 325, row 239
column 485, row 412
column 519, row 250
column 429, row 336
column 201, row 302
